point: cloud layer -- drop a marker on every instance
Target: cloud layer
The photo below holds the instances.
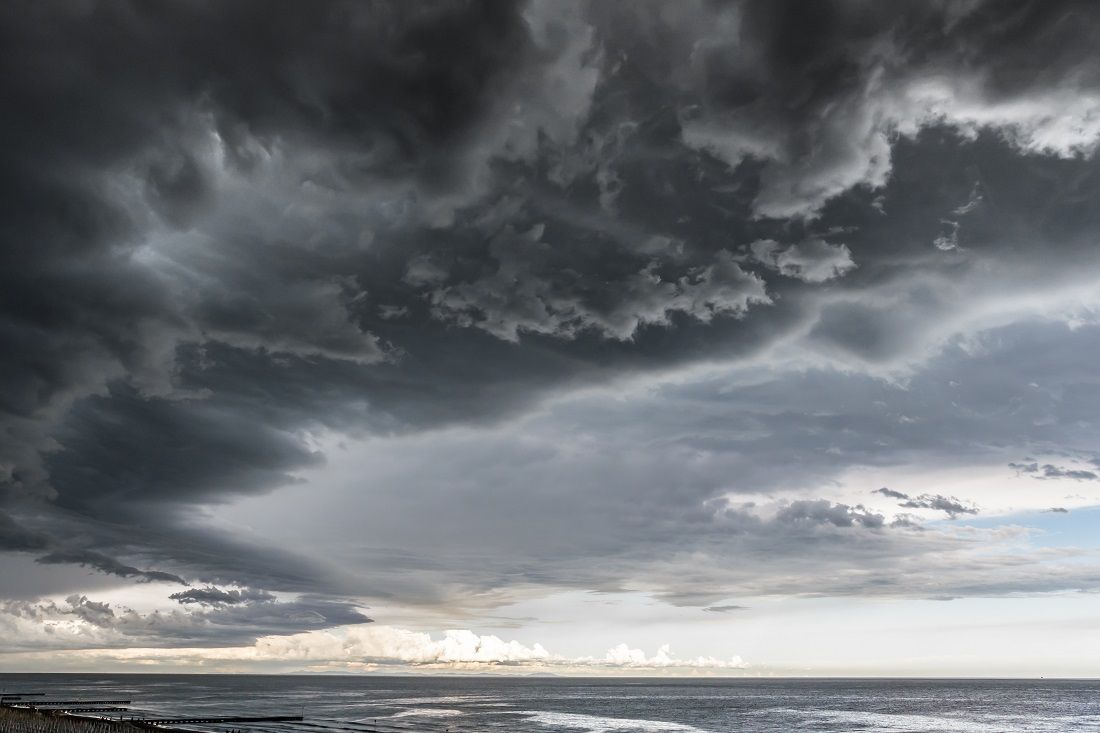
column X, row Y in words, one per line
column 284, row 292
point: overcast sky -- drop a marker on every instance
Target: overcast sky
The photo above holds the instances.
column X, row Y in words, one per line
column 586, row 337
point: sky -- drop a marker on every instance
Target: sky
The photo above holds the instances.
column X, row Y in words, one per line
column 701, row 338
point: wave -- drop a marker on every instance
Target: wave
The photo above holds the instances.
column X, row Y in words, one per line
column 413, row 713
column 914, row 723
column 471, row 698
column 428, row 713
column 600, row 724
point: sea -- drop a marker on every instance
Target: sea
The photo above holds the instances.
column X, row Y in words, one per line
column 362, row 704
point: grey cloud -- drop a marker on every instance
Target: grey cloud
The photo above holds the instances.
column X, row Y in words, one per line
column 105, row 564
column 823, row 512
column 201, row 446
column 947, row 504
column 16, row 538
column 1049, row 470
column 38, row 626
column 650, row 484
column 94, row 612
column 211, row 596
column 819, row 96
column 812, row 261
column 866, row 330
column 422, row 271
column 514, row 298
column 77, row 190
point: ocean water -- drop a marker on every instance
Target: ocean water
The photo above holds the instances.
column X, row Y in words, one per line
column 558, row 705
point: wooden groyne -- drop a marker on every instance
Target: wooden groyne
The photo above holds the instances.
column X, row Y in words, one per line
column 14, row 720
column 18, row 714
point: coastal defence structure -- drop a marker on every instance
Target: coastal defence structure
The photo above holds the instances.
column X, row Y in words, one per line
column 25, row 712
column 24, row 721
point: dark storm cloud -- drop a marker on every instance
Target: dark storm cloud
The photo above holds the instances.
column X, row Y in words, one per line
column 108, row 459
column 817, row 93
column 105, row 564
column 17, row 538
column 87, row 151
column 229, row 229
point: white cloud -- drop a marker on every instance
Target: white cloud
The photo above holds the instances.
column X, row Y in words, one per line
column 624, row 656
column 373, row 646
column 461, row 648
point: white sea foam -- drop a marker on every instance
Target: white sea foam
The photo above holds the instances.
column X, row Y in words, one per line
column 414, row 713
column 911, row 723
column 600, row 724
column 427, row 713
column 444, row 699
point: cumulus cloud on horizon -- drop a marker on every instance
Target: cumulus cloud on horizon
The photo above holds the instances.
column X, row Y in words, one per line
column 379, row 647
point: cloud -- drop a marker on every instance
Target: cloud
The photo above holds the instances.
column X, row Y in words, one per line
column 105, row 564
column 92, row 612
column 947, row 504
column 211, row 596
column 452, row 236
column 818, row 99
column 1051, row 471
column 821, row 512
column 82, row 623
column 524, row 293
column 658, row 481
column 387, row 647
column 17, row 538
column 179, row 187
column 14, row 537
column 623, row 656
column 812, row 261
